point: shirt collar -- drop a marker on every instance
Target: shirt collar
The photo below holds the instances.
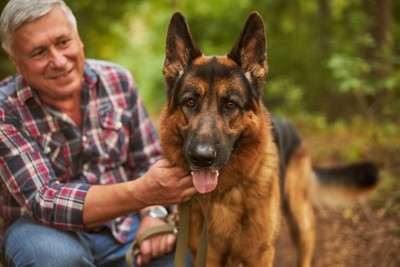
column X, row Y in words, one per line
column 24, row 91
column 90, row 76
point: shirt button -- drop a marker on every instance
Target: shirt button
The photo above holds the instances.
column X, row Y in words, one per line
column 86, row 166
column 47, row 150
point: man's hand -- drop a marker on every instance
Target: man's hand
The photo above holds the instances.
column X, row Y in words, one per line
column 156, row 245
column 165, row 184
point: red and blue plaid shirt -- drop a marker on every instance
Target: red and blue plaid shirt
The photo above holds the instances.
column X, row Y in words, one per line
column 47, row 163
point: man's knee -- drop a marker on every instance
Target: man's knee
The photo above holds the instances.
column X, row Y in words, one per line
column 27, row 243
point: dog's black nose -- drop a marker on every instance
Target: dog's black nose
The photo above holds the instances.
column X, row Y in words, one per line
column 203, row 155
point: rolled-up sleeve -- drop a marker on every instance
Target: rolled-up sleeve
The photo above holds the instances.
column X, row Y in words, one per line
column 28, row 175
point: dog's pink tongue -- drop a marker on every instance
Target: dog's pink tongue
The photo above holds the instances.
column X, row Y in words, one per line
column 205, row 181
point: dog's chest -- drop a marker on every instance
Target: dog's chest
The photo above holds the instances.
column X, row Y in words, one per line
column 226, row 215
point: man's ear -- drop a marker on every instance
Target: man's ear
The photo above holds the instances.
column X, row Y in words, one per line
column 14, row 62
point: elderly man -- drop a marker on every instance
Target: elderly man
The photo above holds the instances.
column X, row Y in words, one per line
column 80, row 163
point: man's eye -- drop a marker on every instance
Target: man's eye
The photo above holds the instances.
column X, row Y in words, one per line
column 38, row 54
column 64, row 43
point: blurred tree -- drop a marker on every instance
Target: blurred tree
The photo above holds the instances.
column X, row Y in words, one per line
column 380, row 51
column 379, row 28
column 367, row 69
column 320, row 52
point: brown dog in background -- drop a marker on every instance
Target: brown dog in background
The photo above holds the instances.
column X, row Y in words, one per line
column 215, row 124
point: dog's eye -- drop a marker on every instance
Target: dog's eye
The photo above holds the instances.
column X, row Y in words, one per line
column 230, row 105
column 190, row 103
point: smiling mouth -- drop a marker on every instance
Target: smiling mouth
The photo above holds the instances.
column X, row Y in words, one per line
column 62, row 75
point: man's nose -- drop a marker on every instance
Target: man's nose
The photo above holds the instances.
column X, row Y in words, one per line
column 57, row 59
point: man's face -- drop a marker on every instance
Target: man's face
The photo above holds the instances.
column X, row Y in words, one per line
column 49, row 54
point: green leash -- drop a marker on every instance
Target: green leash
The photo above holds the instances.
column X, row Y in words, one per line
column 183, row 236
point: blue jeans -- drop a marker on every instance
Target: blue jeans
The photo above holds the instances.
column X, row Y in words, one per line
column 27, row 243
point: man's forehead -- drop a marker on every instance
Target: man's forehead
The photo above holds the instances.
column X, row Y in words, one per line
column 51, row 26
column 55, row 16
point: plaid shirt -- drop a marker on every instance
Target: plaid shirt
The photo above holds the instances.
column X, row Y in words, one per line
column 47, row 163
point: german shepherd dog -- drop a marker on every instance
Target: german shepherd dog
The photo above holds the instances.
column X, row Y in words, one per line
column 216, row 125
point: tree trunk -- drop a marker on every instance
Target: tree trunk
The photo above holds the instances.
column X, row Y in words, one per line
column 379, row 16
column 379, row 54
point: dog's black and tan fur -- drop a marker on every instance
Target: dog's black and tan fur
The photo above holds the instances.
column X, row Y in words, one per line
column 215, row 124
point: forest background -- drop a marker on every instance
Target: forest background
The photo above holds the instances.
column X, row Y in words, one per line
column 334, row 69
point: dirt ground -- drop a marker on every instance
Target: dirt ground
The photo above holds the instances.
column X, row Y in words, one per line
column 367, row 235
column 363, row 236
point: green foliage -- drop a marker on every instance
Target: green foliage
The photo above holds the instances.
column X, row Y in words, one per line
column 314, row 48
column 350, row 72
column 284, row 90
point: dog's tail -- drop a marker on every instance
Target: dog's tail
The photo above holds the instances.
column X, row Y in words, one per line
column 343, row 186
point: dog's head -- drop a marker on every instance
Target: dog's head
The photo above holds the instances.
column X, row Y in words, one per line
column 213, row 103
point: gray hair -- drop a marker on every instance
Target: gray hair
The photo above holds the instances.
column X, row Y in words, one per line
column 18, row 12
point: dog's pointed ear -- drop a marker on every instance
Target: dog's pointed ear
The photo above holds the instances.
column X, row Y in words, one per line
column 250, row 53
column 180, row 49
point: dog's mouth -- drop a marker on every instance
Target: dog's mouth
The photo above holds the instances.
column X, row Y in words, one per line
column 205, row 181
